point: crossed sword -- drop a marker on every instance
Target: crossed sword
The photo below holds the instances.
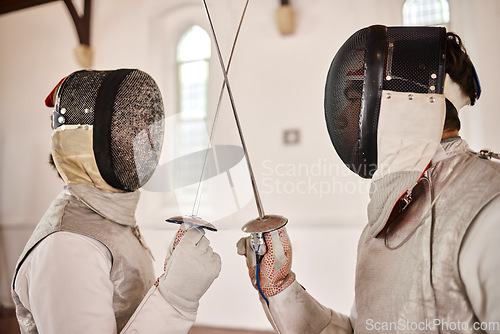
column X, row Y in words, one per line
column 263, row 223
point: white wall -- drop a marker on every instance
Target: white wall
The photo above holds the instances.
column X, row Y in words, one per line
column 277, row 83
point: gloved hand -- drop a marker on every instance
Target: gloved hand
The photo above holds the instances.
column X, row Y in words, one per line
column 275, row 268
column 191, row 266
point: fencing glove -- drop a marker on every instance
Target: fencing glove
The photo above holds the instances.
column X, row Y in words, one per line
column 191, row 266
column 275, row 268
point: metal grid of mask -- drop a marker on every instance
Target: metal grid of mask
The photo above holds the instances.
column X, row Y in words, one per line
column 343, row 98
column 415, row 60
column 78, row 96
column 136, row 129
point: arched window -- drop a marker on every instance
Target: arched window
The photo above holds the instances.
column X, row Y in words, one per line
column 426, row 12
column 193, row 58
column 193, row 55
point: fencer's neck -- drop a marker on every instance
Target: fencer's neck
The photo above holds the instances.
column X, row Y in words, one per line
column 449, row 134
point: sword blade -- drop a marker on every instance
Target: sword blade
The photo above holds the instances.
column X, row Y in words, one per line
column 196, row 204
column 258, row 201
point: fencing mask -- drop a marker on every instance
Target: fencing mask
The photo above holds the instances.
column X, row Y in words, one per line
column 108, row 128
column 374, row 66
column 385, row 108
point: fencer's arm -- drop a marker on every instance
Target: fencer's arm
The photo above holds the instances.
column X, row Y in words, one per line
column 294, row 310
column 289, row 307
column 65, row 284
column 479, row 266
column 156, row 315
column 76, row 296
column 172, row 303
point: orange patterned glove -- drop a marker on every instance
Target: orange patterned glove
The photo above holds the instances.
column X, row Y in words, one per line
column 275, row 266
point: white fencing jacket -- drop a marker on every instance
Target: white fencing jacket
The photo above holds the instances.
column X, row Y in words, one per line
column 295, row 311
column 65, row 283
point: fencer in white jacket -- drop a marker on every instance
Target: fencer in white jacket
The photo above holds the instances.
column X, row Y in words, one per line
column 427, row 260
column 86, row 268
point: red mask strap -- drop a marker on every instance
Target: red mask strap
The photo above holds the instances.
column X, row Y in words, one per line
column 51, row 98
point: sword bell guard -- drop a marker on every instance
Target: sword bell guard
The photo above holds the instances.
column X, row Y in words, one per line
column 193, row 221
column 267, row 223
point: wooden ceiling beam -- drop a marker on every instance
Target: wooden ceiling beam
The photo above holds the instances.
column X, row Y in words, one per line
column 82, row 23
column 83, row 52
column 7, row 6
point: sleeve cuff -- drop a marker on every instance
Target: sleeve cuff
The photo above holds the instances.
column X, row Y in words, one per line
column 295, row 311
column 157, row 316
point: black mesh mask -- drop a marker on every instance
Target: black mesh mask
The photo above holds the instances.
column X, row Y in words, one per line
column 126, row 111
column 372, row 60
